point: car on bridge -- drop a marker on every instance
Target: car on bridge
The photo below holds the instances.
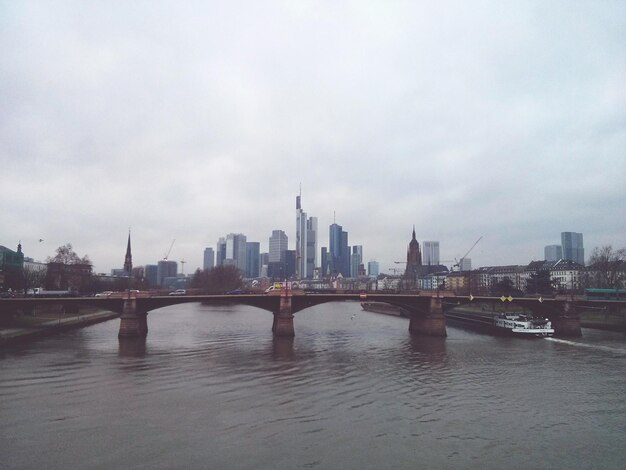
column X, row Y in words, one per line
column 179, row 292
column 106, row 293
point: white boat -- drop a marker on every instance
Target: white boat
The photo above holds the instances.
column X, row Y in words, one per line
column 520, row 324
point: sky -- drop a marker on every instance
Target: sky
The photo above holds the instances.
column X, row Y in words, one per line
column 190, row 120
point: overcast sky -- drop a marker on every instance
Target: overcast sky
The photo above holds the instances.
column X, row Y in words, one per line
column 190, row 120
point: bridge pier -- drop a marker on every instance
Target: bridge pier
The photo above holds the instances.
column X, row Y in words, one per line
column 133, row 323
column 431, row 324
column 283, row 319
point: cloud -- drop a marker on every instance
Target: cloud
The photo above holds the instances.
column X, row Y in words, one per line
column 189, row 121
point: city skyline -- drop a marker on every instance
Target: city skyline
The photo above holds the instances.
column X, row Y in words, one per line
column 464, row 121
column 237, row 243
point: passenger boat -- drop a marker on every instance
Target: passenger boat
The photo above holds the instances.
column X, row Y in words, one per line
column 520, row 324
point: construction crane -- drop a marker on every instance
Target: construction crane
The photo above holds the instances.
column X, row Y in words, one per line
column 468, row 252
column 168, row 251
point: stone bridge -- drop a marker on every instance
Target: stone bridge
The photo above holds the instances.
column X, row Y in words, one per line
column 426, row 311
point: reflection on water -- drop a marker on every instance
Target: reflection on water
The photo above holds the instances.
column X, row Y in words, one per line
column 428, row 347
column 211, row 388
column 132, row 347
column 282, row 349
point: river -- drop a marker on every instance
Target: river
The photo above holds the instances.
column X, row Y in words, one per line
column 210, row 388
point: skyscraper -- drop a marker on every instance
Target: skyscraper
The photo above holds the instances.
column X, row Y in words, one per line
column 208, row 259
column 324, row 263
column 236, row 251
column 553, row 252
column 356, row 259
column 165, row 269
column 338, row 252
column 572, row 245
column 278, row 246
column 311, row 246
column 253, row 255
column 306, row 242
column 276, row 266
column 373, row 268
column 430, row 253
column 221, row 252
column 151, row 274
column 300, row 240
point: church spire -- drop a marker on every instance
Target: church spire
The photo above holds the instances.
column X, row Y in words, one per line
column 128, row 260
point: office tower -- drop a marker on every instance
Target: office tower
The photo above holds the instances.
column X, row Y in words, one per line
column 300, row 240
column 430, row 253
column 306, row 242
column 151, row 274
column 465, row 264
column 345, row 254
column 572, row 245
column 311, row 246
column 264, row 260
column 166, row 269
column 253, row 255
column 373, row 269
column 338, row 252
column 553, row 252
column 236, row 251
column 356, row 260
column 276, row 268
column 278, row 246
column 221, row 252
column 324, row 268
column 209, row 259
column 290, row 264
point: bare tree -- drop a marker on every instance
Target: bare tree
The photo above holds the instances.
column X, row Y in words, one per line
column 218, row 280
column 607, row 267
column 66, row 255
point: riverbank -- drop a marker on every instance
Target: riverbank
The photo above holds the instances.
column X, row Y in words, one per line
column 45, row 326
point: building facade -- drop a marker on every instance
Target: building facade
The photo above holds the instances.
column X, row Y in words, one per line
column 572, row 245
column 373, row 268
column 151, row 274
column 465, row 264
column 356, row 261
column 306, row 243
column 430, row 252
column 311, row 247
column 236, row 251
column 166, row 269
column 208, row 260
column 553, row 252
column 253, row 259
column 276, row 266
column 338, row 251
column 220, row 253
column 11, row 268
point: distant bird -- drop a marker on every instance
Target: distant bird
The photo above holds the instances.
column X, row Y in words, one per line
column 40, row 240
column 352, row 317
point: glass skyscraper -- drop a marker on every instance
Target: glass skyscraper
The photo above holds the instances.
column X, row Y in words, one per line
column 430, row 253
column 572, row 246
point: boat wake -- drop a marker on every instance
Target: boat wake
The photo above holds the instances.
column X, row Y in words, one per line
column 589, row 346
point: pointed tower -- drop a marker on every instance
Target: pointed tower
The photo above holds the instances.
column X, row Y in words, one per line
column 128, row 260
column 413, row 256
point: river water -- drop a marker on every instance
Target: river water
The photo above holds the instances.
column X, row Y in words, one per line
column 211, row 388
